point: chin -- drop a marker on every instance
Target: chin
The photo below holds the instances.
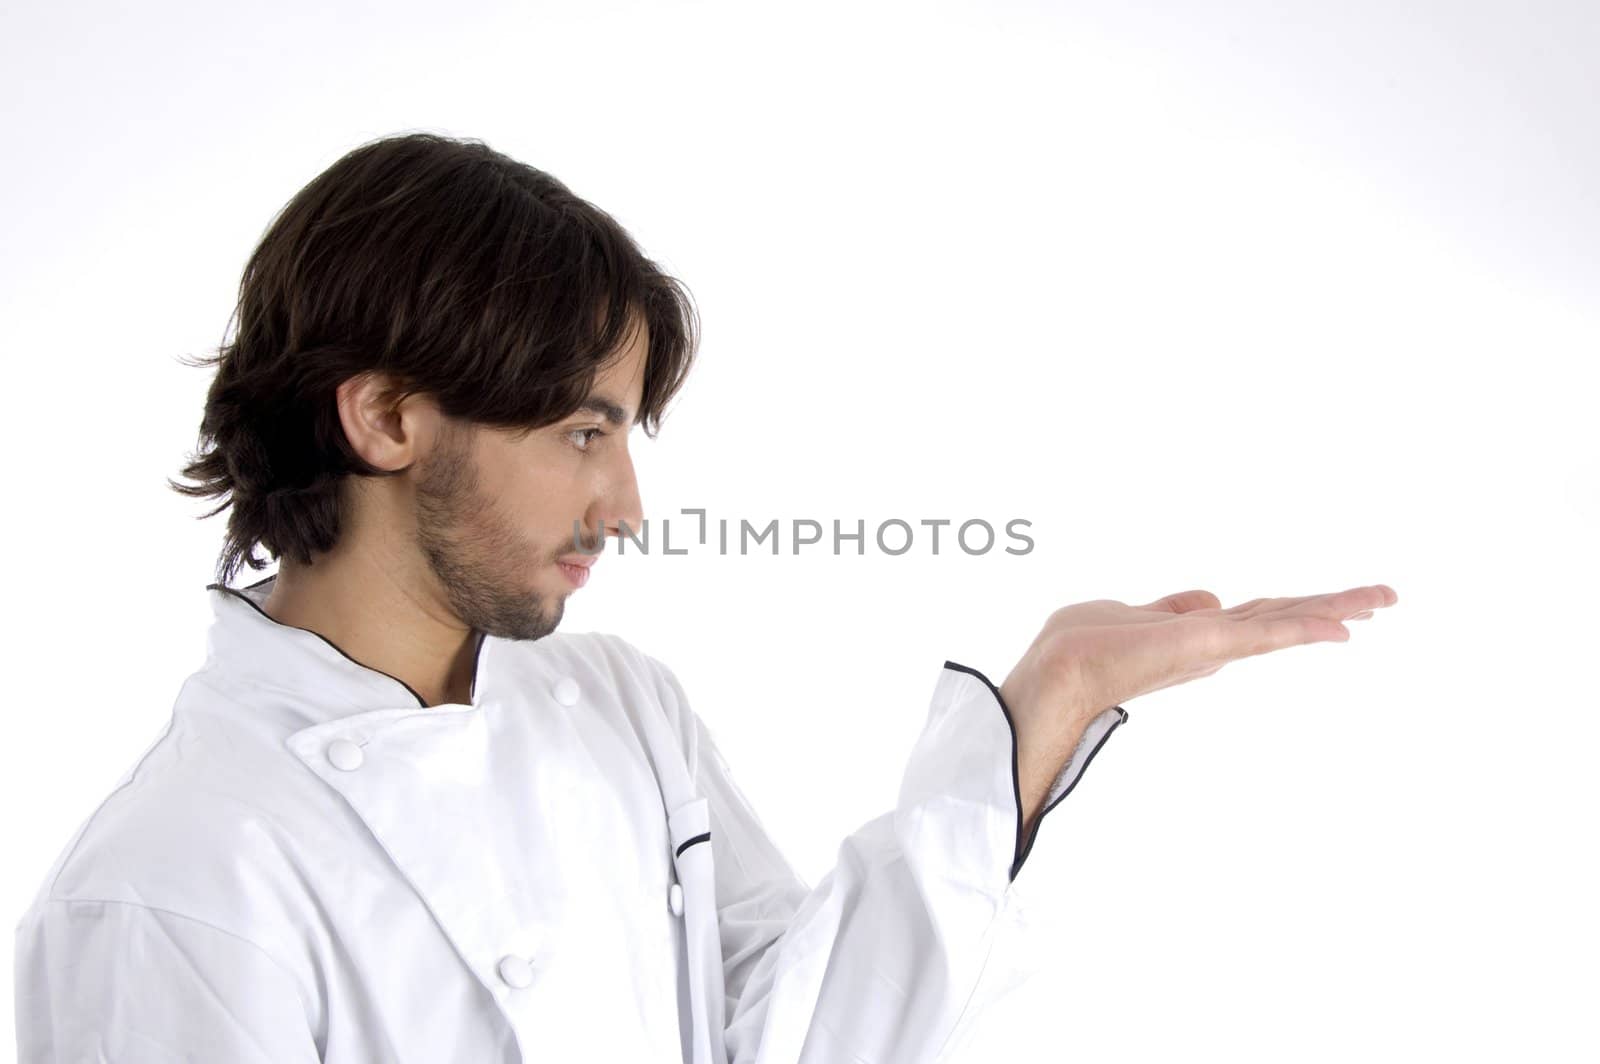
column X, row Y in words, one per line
column 530, row 614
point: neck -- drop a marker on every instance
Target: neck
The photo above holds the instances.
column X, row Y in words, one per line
column 373, row 612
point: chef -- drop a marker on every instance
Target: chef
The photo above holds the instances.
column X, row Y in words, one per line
column 398, row 816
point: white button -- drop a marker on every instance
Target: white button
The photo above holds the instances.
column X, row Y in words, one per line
column 345, row 755
column 675, row 899
column 566, row 691
column 516, row 971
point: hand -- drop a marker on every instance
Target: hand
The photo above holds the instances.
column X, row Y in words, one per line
column 1095, row 655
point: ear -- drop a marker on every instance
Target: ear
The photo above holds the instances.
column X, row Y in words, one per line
column 388, row 433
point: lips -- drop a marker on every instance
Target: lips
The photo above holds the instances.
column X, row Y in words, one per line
column 576, row 568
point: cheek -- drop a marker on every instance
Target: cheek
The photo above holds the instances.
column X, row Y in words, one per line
column 538, row 488
column 541, row 512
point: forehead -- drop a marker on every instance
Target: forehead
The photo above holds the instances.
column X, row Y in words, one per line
column 621, row 380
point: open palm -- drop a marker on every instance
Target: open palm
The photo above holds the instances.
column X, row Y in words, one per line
column 1096, row 654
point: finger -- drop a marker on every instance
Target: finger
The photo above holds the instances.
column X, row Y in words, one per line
column 1299, row 630
column 1232, row 640
column 1363, row 615
column 1339, row 604
column 1264, row 605
column 1253, row 608
column 1185, row 601
column 1347, row 603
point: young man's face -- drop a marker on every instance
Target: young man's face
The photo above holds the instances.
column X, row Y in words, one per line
column 495, row 514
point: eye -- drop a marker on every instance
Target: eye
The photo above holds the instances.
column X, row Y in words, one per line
column 583, row 437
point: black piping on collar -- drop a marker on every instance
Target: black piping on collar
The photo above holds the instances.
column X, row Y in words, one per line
column 1025, row 846
column 239, row 593
column 477, row 652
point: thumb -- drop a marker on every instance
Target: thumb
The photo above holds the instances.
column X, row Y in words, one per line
column 1184, row 601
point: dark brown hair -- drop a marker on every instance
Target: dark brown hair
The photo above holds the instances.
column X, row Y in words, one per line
column 464, row 274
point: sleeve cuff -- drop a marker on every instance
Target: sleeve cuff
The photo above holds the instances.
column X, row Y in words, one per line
column 1094, row 737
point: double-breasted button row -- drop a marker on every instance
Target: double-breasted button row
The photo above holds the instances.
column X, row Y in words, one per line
column 514, row 969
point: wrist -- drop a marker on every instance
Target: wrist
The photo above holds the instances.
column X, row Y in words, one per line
column 1048, row 720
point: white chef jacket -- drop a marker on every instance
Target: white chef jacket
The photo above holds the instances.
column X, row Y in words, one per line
column 311, row 864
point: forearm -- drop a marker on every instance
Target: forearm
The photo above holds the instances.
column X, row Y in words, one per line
column 915, row 908
column 890, row 954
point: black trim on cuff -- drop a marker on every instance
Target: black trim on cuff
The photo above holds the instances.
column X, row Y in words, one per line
column 1122, row 717
column 1025, row 846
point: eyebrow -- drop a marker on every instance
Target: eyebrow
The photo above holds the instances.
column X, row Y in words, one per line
column 613, row 413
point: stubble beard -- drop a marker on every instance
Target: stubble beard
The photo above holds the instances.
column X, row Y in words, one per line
column 477, row 559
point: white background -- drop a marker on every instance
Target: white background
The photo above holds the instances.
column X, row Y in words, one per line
column 1266, row 298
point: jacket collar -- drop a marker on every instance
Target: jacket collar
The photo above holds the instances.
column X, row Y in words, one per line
column 258, row 658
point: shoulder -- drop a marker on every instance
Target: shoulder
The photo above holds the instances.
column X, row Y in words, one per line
column 194, row 829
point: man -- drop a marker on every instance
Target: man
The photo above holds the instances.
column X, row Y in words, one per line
column 398, row 817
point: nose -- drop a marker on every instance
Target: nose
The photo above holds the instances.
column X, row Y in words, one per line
column 620, row 504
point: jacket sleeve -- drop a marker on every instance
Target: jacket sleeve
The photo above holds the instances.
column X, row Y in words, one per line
column 117, row 981
column 894, row 952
